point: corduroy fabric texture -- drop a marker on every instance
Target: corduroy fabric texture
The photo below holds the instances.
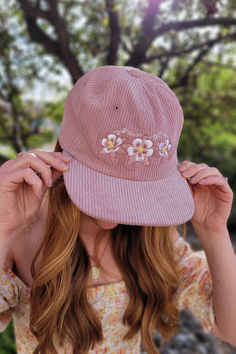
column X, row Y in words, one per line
column 121, row 126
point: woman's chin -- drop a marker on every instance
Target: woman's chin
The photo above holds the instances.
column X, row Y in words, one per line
column 105, row 224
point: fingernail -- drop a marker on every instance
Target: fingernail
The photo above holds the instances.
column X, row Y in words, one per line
column 180, row 167
column 193, row 179
column 186, row 174
column 63, row 164
column 67, row 158
column 50, row 181
column 202, row 181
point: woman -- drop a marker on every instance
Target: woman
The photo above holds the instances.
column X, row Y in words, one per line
column 91, row 259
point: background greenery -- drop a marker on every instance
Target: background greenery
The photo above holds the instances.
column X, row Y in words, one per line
column 46, row 45
column 7, row 340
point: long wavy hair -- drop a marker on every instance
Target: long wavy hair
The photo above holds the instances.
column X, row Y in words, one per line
column 59, row 307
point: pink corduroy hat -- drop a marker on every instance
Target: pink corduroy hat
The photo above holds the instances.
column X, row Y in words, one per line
column 121, row 126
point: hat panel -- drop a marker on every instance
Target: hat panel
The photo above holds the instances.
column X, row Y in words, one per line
column 121, row 104
column 121, row 126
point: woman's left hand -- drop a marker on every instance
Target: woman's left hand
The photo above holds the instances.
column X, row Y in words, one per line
column 213, row 196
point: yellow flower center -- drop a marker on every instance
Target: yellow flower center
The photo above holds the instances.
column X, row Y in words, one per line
column 110, row 144
column 140, row 149
column 164, row 148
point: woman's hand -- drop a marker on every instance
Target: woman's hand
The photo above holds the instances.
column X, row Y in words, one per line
column 22, row 190
column 212, row 195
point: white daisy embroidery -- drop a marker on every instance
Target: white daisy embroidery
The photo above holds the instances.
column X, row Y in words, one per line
column 140, row 151
column 111, row 144
column 164, row 147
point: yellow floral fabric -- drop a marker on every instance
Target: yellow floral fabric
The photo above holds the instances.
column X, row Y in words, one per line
column 196, row 290
column 110, row 302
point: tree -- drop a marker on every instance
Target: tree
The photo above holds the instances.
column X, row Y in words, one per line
column 160, row 36
column 133, row 33
column 20, row 118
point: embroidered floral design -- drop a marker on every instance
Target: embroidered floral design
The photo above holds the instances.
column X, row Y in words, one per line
column 136, row 146
column 164, row 147
column 140, row 151
column 111, row 145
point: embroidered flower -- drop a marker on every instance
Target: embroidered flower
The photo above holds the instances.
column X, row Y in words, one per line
column 140, row 151
column 164, row 147
column 111, row 145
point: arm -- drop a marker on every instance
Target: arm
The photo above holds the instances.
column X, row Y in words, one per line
column 213, row 199
column 195, row 290
column 222, row 264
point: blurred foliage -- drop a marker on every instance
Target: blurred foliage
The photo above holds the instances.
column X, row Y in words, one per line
column 209, row 131
column 22, row 123
column 7, row 340
column 37, row 39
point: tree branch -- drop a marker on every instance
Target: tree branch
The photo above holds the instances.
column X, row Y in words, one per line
column 184, row 79
column 179, row 26
column 164, row 66
column 219, row 65
column 60, row 47
column 178, row 53
column 114, row 33
column 35, row 12
column 139, row 54
column 147, row 34
column 68, row 6
column 124, row 47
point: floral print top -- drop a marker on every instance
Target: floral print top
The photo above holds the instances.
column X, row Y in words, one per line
column 110, row 302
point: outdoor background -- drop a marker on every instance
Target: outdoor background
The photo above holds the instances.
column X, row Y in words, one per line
column 47, row 45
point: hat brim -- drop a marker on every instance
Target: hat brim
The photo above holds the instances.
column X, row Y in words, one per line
column 163, row 202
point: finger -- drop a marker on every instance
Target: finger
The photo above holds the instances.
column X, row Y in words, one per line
column 63, row 156
column 41, row 152
column 25, row 175
column 193, row 169
column 203, row 173
column 185, row 164
column 46, row 156
column 58, row 154
column 50, row 156
column 217, row 181
column 30, row 160
column 41, row 164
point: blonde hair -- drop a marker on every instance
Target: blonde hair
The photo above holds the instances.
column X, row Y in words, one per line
column 59, row 305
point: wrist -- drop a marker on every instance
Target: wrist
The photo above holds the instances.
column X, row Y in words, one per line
column 211, row 239
column 202, row 231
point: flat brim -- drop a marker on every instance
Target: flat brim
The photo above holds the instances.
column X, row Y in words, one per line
column 163, row 202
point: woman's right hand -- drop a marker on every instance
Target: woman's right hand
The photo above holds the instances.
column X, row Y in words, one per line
column 21, row 190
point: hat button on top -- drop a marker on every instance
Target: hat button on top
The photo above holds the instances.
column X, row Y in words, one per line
column 135, row 72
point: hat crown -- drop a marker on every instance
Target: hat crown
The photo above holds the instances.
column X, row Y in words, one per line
column 122, row 122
